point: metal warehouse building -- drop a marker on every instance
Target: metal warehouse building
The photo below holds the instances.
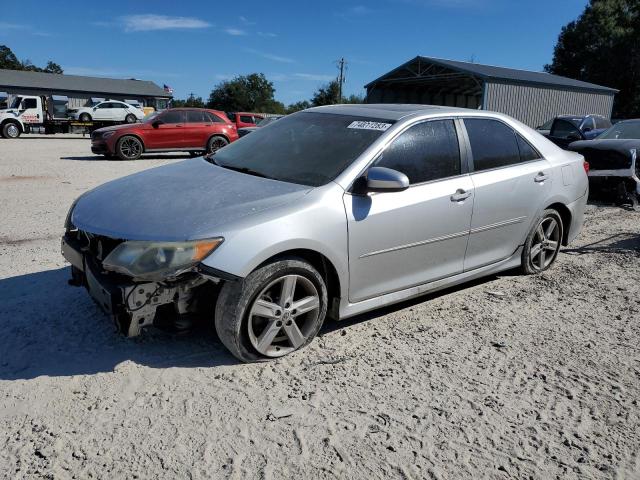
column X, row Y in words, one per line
column 531, row 97
column 81, row 91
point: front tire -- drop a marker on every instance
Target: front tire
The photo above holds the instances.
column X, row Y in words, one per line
column 543, row 243
column 85, row 117
column 277, row 309
column 129, row 148
column 11, row 130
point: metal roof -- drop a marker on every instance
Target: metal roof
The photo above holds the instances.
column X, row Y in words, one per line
column 76, row 83
column 491, row 72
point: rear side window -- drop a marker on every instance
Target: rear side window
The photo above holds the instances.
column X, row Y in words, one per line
column 493, row 144
column 173, row 117
column 212, row 117
column 425, row 152
column 527, row 152
column 602, row 122
column 195, row 116
column 246, row 119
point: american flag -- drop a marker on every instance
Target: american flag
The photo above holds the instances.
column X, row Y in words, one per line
column 167, row 88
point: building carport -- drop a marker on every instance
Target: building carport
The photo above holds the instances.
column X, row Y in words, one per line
column 531, row 97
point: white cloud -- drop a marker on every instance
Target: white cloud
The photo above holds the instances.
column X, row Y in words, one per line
column 245, row 21
column 236, row 32
column 270, row 56
column 314, row 77
column 150, row 22
column 267, row 34
column 17, row 27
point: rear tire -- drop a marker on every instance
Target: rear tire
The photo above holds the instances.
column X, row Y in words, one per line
column 215, row 143
column 129, row 148
column 543, row 243
column 276, row 310
column 85, row 117
column 130, row 118
column 11, row 130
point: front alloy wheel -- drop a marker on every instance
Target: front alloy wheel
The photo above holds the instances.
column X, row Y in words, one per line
column 129, row 148
column 543, row 243
column 277, row 309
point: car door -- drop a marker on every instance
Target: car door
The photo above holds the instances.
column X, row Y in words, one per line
column 197, row 127
column 401, row 239
column 30, row 111
column 563, row 132
column 167, row 131
column 118, row 111
column 511, row 181
column 102, row 112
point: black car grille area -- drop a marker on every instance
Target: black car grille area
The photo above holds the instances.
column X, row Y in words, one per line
column 97, row 247
column 606, row 159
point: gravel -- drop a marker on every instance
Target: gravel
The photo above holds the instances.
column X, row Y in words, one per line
column 508, row 377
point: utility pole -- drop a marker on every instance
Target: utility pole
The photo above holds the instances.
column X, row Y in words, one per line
column 341, row 65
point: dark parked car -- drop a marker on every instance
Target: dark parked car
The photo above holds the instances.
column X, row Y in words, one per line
column 569, row 128
column 193, row 130
column 613, row 161
column 262, row 123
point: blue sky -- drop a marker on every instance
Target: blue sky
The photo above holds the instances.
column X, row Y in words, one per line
column 192, row 45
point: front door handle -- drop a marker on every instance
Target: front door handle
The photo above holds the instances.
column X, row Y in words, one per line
column 541, row 177
column 460, row 195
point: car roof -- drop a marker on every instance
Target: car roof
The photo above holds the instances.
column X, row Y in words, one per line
column 386, row 111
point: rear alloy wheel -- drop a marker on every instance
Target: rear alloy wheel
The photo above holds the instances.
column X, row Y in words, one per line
column 277, row 309
column 85, row 117
column 216, row 143
column 129, row 148
column 130, row 118
column 11, row 130
column 543, row 243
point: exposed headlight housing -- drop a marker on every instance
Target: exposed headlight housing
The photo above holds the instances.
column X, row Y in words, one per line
column 158, row 260
column 108, row 134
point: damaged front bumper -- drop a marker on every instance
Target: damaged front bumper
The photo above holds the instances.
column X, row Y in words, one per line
column 134, row 305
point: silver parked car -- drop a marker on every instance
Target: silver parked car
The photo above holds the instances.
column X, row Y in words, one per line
column 332, row 211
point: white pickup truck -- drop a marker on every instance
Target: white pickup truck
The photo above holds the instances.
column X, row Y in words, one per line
column 28, row 112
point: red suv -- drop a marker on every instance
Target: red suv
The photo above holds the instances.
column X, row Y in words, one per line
column 193, row 130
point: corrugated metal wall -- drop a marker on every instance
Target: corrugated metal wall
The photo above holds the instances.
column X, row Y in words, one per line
column 421, row 95
column 534, row 105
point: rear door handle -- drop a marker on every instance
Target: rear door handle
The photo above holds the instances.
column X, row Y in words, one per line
column 460, row 195
column 541, row 177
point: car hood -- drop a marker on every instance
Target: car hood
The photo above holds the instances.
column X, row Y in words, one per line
column 188, row 200
column 618, row 145
column 112, row 128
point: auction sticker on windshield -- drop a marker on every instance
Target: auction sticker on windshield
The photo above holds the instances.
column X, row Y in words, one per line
column 363, row 125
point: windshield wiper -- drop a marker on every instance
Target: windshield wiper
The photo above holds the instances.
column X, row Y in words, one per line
column 210, row 158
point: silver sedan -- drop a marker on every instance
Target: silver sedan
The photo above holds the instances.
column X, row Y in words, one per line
column 329, row 212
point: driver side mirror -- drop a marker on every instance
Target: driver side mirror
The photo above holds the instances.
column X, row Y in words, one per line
column 381, row 179
column 157, row 123
column 587, row 129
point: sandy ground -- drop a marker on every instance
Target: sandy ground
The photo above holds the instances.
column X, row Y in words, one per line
column 510, row 377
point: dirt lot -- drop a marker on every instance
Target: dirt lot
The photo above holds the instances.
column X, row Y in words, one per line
column 511, row 377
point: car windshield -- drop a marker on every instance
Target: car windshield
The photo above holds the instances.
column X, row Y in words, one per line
column 546, row 125
column 307, row 148
column 622, row 131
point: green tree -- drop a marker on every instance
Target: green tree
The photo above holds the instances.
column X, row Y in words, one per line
column 296, row 107
column 326, row 95
column 8, row 60
column 52, row 67
column 192, row 101
column 603, row 46
column 250, row 93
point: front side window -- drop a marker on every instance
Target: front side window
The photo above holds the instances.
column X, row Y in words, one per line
column 296, row 148
column 602, row 122
column 425, row 152
column 493, row 144
column 175, row 116
column 29, row 103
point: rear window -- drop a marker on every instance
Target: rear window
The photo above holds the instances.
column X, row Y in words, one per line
column 195, row 116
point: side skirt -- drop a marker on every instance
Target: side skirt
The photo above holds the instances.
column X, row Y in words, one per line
column 351, row 309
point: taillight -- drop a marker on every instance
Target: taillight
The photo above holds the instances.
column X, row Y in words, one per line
column 585, row 164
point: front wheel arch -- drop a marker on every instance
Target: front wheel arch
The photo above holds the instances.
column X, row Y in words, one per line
column 4, row 124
